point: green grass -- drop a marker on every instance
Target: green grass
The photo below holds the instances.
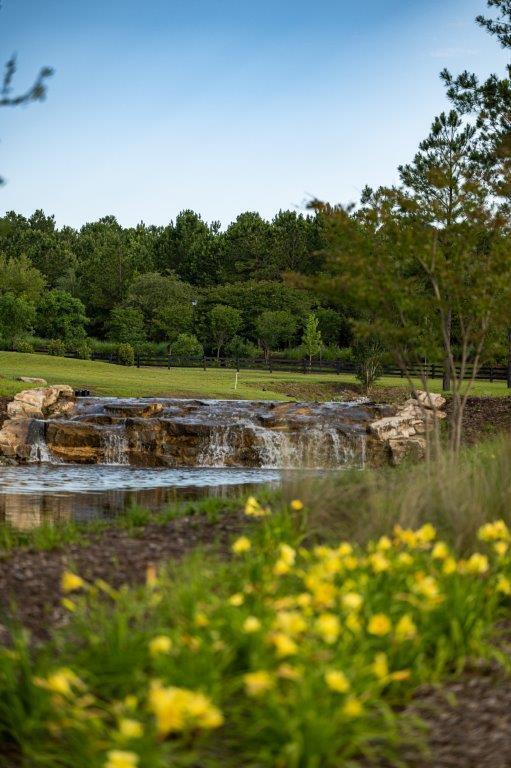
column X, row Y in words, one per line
column 107, row 379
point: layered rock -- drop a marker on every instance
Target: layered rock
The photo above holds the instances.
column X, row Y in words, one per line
column 406, row 432
column 193, row 433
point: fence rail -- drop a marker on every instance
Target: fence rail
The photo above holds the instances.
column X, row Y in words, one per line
column 488, row 373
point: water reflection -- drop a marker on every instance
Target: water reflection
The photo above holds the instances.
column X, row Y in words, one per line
column 32, row 495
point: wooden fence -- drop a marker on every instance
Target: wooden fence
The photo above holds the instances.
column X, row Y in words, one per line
column 488, row 373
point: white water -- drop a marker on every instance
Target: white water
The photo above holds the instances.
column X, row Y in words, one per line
column 314, row 448
column 39, row 451
column 115, row 446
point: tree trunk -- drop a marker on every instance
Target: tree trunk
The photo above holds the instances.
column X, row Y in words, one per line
column 446, row 379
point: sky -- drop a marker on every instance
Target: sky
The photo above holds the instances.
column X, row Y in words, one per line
column 223, row 106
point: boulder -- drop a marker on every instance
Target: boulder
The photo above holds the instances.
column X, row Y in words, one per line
column 43, row 402
column 15, row 438
column 32, row 380
column 429, row 399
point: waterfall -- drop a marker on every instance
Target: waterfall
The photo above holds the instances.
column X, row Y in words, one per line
column 314, row 448
column 220, row 445
column 39, row 451
column 115, row 446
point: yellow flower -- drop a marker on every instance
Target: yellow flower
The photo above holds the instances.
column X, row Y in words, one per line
column 151, row 576
column 405, row 536
column 400, row 675
column 352, row 601
column 405, row 628
column 378, row 562
column 296, row 505
column 117, row 758
column 281, row 568
column 503, row 585
column 380, row 666
column 236, row 599
column 449, row 566
column 159, row 645
column 201, row 620
column 440, row 551
column 62, row 681
column 251, row 624
column 477, row 563
column 328, row 627
column 254, row 509
column 241, row 545
column 384, row 544
column 501, row 547
column 290, row 622
column 130, row 729
column 71, row 582
column 287, row 554
column 344, row 549
column 352, row 707
column 284, row 645
column 425, row 534
column 68, row 604
column 337, row 681
column 405, row 559
column 176, row 709
column 379, row 625
column 426, row 586
column 353, row 623
column 257, row 683
column 494, row 531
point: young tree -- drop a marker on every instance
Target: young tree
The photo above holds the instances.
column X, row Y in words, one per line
column 412, row 284
column 187, row 345
column 18, row 276
column 225, row 322
column 311, row 338
column 275, row 328
column 440, row 182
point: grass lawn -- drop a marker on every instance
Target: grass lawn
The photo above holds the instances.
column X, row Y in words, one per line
column 108, row 379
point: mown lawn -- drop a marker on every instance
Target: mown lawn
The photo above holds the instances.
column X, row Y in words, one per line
column 107, row 379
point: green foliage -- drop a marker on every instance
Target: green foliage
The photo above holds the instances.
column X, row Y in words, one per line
column 125, row 354
column 126, row 326
column 274, row 329
column 83, row 349
column 56, row 347
column 225, row 322
column 198, row 667
column 17, row 317
column 61, row 316
column 368, row 358
column 311, row 339
column 19, row 277
column 22, row 345
column 187, row 345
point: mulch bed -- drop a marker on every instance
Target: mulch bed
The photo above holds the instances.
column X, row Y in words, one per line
column 30, row 580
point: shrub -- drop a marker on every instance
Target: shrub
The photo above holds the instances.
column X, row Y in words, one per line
column 368, row 359
column 83, row 350
column 125, row 354
column 22, row 345
column 187, row 345
column 56, row 347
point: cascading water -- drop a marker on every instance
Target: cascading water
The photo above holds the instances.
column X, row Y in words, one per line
column 39, row 451
column 115, row 446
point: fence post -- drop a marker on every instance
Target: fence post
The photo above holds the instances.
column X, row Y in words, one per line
column 204, row 361
column 238, row 364
column 491, row 374
column 433, row 370
column 304, row 363
column 338, row 367
column 169, row 361
column 138, row 359
column 269, row 365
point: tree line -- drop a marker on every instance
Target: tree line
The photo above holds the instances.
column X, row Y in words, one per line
column 188, row 286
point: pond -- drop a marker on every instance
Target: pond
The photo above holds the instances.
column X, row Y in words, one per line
column 37, row 493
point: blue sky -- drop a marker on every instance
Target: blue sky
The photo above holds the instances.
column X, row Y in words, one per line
column 223, row 105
